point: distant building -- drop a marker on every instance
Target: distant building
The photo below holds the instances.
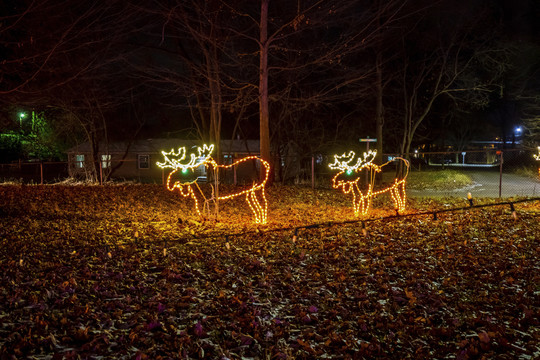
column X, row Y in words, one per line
column 138, row 160
column 482, row 153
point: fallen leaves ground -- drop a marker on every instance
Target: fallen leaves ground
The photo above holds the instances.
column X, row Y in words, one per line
column 128, row 272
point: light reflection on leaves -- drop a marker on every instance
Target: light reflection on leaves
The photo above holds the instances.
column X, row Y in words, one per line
column 466, row 284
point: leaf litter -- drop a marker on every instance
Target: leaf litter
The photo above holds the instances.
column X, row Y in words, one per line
column 129, row 272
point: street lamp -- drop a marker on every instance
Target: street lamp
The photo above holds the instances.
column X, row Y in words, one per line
column 516, row 133
column 537, row 157
column 21, row 115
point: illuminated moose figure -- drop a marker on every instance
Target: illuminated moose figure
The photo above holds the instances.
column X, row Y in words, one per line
column 175, row 161
column 349, row 176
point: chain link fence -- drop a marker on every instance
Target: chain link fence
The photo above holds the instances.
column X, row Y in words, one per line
column 34, row 172
column 492, row 173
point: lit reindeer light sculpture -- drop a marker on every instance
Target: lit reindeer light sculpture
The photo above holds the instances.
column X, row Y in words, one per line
column 190, row 188
column 350, row 174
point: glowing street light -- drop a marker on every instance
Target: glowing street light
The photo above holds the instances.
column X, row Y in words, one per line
column 21, row 116
column 515, row 134
column 537, row 157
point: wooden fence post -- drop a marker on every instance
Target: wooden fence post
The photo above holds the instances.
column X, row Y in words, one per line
column 500, row 174
column 100, row 173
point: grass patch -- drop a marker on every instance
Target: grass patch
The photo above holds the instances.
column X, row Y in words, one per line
column 438, row 180
column 528, row 171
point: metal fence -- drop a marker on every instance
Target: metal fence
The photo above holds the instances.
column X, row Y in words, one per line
column 34, row 172
column 485, row 173
column 491, row 173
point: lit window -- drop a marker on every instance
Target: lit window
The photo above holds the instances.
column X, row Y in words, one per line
column 79, row 161
column 144, row 161
column 105, row 161
column 227, row 159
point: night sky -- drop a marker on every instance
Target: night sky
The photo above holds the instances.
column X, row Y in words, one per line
column 129, row 69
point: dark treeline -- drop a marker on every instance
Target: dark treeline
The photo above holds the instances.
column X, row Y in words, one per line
column 305, row 77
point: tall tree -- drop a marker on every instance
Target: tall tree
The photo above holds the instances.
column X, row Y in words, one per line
column 69, row 58
column 264, row 112
column 455, row 60
column 311, row 56
column 523, row 87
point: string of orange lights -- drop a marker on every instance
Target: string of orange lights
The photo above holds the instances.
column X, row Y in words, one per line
column 175, row 161
column 351, row 167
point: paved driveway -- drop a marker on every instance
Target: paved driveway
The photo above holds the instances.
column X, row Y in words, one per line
column 486, row 184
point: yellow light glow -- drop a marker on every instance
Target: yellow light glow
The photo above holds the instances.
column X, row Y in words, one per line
column 174, row 160
column 537, row 157
column 349, row 176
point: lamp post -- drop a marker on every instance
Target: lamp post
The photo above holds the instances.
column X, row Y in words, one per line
column 537, row 157
column 515, row 134
column 21, row 116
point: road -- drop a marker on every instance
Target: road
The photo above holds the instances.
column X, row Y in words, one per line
column 486, row 184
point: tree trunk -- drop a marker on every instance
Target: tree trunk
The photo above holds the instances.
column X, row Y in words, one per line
column 379, row 115
column 214, row 86
column 263, row 88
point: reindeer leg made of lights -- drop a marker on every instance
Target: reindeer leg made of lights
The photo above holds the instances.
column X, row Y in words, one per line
column 398, row 192
column 359, row 200
column 401, row 196
column 396, row 197
column 258, row 211
column 373, row 170
column 264, row 207
column 206, row 205
column 190, row 193
column 351, row 188
column 368, row 198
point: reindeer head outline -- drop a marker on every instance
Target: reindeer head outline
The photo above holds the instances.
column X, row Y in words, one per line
column 174, row 160
column 344, row 162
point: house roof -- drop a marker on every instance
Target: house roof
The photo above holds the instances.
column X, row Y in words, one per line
column 157, row 145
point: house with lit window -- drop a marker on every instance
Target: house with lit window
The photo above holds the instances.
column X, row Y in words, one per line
column 137, row 160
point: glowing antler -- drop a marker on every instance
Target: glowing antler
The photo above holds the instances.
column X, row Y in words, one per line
column 203, row 154
column 173, row 160
column 343, row 162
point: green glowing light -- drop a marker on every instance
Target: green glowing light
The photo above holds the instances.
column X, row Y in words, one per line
column 185, row 170
column 349, row 172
